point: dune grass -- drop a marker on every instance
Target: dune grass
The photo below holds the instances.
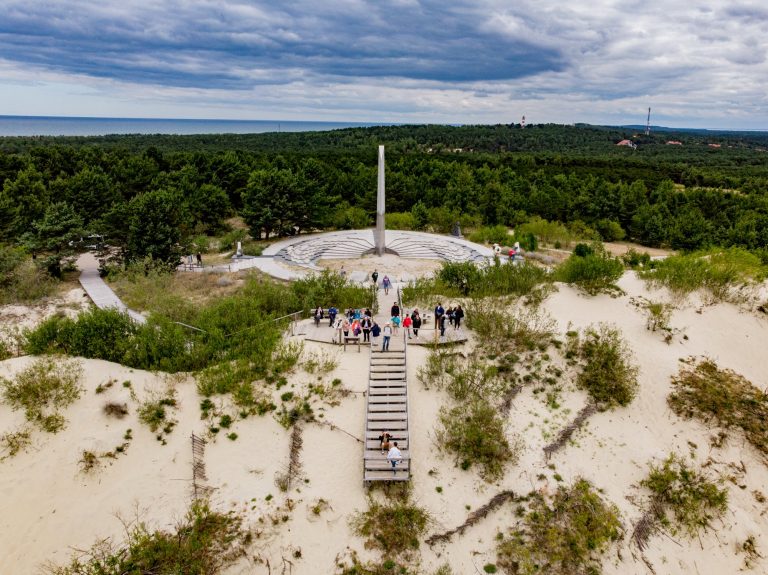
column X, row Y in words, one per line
column 565, row 534
column 42, row 390
column 718, row 273
column 203, row 542
column 721, row 397
column 686, row 499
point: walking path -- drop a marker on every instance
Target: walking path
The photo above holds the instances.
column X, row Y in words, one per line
column 387, row 401
column 100, row 293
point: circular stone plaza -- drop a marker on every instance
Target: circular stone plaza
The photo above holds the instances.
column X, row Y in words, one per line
column 403, row 255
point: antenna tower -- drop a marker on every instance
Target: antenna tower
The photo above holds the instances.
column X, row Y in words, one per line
column 522, row 123
column 648, row 124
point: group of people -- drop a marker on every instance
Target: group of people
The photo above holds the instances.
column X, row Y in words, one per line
column 394, row 455
column 452, row 315
column 386, row 283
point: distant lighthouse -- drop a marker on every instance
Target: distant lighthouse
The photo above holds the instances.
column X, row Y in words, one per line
column 522, row 122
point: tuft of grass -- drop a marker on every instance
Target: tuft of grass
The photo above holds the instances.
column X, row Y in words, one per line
column 524, row 328
column 154, row 414
column 14, row 442
column 685, row 499
column 42, row 389
column 475, row 433
column 204, row 541
column 393, row 527
column 561, row 535
column 320, row 362
column 710, row 394
column 607, row 373
column 118, row 410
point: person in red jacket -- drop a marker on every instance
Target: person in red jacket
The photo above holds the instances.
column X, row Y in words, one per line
column 407, row 323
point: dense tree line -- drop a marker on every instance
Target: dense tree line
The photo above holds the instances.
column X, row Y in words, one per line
column 150, row 194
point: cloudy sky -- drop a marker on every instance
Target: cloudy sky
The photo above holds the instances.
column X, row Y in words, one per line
column 697, row 63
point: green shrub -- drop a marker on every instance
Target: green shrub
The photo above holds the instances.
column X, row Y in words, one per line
column 526, row 328
column 635, row 260
column 562, row 535
column 685, row 499
column 492, row 235
column 21, row 281
column 393, row 527
column 719, row 273
column 723, row 397
column 351, row 218
column 545, row 231
column 474, row 432
column 203, row 542
column 593, row 273
column 608, row 374
column 400, row 221
column 42, row 389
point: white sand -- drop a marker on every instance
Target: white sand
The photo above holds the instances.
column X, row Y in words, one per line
column 48, row 507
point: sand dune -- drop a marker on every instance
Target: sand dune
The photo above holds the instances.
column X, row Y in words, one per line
column 48, row 507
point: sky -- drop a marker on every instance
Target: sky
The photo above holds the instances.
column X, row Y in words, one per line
column 696, row 63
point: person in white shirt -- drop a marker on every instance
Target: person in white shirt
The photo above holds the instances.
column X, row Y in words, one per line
column 394, row 457
column 387, row 333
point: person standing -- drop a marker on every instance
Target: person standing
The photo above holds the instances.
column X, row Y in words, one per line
column 439, row 313
column 386, row 284
column 458, row 315
column 395, row 324
column 375, row 278
column 365, row 323
column 407, row 323
column 375, row 331
column 345, row 327
column 416, row 318
column 387, row 334
column 395, row 310
column 199, row 257
column 449, row 313
column 318, row 316
column 394, row 456
column 332, row 311
column 442, row 325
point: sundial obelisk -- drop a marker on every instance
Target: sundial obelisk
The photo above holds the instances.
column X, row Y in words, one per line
column 379, row 242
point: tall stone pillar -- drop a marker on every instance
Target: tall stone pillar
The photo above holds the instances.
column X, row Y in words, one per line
column 379, row 240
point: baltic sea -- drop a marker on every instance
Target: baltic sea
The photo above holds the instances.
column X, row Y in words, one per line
column 71, row 126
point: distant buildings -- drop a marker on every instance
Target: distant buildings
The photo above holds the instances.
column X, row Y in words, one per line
column 674, row 143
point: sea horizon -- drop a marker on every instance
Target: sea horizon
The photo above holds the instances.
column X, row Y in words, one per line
column 30, row 126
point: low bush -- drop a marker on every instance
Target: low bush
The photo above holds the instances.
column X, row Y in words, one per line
column 719, row 273
column 14, row 442
column 393, row 527
column 636, row 260
column 523, row 328
column 474, row 433
column 203, row 542
column 565, row 534
column 466, row 279
column 607, row 372
column 686, row 499
column 492, row 235
column 153, row 412
column 545, row 231
column 593, row 273
column 721, row 396
column 21, row 281
column 42, row 389
column 400, row 221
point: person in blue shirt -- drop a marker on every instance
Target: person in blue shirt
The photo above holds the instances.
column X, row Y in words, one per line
column 332, row 311
column 439, row 313
column 375, row 332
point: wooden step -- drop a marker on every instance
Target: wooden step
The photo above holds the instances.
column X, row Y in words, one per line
column 386, row 476
column 377, row 407
column 373, row 445
column 389, row 389
column 383, row 399
column 387, row 416
column 396, row 435
column 392, row 426
column 377, row 455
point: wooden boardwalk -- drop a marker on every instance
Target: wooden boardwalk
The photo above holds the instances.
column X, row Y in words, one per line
column 100, row 293
column 387, row 403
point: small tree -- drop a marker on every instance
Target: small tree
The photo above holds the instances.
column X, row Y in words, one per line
column 54, row 237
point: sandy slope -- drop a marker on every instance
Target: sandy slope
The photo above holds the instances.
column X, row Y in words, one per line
column 47, row 506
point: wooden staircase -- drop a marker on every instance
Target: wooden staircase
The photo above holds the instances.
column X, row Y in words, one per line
column 387, row 410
